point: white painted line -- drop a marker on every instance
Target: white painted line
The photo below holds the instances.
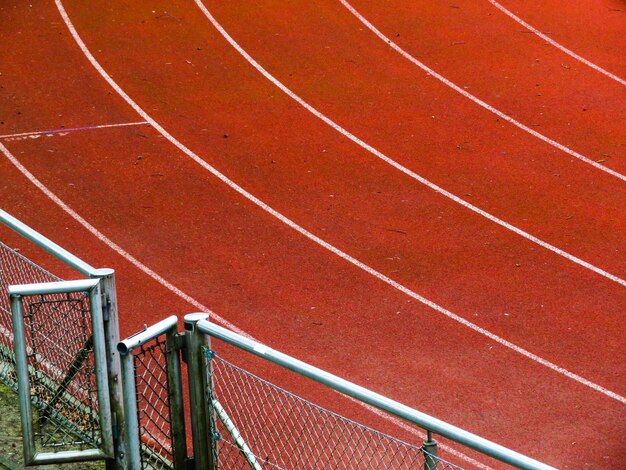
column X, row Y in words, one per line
column 214, row 317
column 477, row 100
column 71, row 129
column 402, row 168
column 115, row 247
column 261, row 348
column 556, row 44
column 314, row 238
column 412, row 430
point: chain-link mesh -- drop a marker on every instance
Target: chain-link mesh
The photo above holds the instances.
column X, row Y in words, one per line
column 153, row 405
column 14, row 269
column 61, row 365
column 264, row 426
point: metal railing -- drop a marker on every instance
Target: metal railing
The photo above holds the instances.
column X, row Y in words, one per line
column 241, row 421
column 61, row 369
column 199, row 326
column 62, row 340
column 67, row 369
column 262, row 425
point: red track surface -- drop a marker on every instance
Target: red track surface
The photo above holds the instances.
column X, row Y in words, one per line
column 291, row 293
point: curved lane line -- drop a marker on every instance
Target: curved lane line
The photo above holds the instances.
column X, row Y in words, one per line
column 317, row 240
column 477, row 100
column 400, row 167
column 115, row 247
column 142, row 267
column 551, row 41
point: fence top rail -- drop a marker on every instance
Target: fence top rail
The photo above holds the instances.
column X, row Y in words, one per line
column 367, row 396
column 48, row 245
column 126, row 346
column 59, row 287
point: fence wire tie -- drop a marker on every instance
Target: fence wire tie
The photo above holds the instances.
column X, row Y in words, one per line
column 210, row 354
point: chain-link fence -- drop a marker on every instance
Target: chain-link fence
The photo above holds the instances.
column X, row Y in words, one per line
column 67, row 375
column 59, row 345
column 14, row 269
column 53, row 353
column 153, row 406
column 153, row 398
column 261, row 425
column 60, row 364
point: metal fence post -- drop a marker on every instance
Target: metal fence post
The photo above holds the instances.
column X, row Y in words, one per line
column 174, row 377
column 112, row 337
column 133, row 445
column 431, row 456
column 23, row 388
column 200, row 412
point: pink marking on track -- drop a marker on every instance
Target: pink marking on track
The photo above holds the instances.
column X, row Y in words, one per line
column 64, row 131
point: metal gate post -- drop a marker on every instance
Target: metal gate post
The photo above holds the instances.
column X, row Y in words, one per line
column 175, row 379
column 112, row 337
column 430, row 457
column 131, row 429
column 202, row 436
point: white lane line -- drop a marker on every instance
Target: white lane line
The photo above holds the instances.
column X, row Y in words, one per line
column 551, row 41
column 314, row 238
column 115, row 247
column 69, row 129
column 202, row 308
column 477, row 100
column 213, row 316
column 400, row 167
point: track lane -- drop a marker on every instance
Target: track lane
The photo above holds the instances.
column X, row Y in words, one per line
column 41, row 111
column 489, row 177
column 592, row 29
column 509, row 79
column 25, row 201
column 95, row 150
column 176, row 95
column 556, row 44
column 282, row 305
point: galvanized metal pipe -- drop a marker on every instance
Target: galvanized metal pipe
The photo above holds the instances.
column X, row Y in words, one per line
column 367, row 396
column 177, row 410
column 48, row 245
column 23, row 385
column 111, row 334
column 133, row 444
column 101, row 372
column 60, row 287
column 198, row 400
column 126, row 346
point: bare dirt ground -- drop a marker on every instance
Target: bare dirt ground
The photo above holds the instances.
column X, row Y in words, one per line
column 11, row 457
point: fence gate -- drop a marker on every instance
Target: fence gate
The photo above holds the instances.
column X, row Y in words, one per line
column 57, row 350
column 61, row 369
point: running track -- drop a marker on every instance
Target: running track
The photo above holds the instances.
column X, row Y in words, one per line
column 375, row 221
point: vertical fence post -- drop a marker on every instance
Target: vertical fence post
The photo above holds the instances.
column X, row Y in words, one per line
column 174, row 378
column 23, row 385
column 112, row 337
column 431, row 456
column 200, row 413
column 133, row 444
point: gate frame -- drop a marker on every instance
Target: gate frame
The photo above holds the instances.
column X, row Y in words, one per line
column 92, row 288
